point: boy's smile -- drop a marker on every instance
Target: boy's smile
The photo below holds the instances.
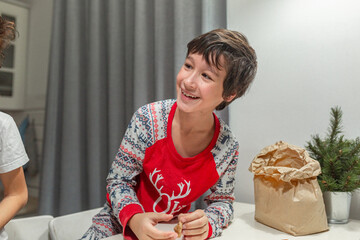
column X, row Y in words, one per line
column 199, row 86
column 189, row 95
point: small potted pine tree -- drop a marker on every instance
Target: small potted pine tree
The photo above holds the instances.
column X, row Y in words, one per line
column 339, row 159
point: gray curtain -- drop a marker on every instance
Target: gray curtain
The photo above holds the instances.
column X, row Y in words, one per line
column 108, row 57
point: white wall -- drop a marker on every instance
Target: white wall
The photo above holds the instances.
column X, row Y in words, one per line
column 308, row 61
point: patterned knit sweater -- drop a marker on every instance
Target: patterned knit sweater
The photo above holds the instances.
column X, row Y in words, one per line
column 148, row 175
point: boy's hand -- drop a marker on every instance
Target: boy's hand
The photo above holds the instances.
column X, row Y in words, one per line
column 143, row 225
column 195, row 225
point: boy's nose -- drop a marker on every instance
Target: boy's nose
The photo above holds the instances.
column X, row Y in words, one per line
column 190, row 80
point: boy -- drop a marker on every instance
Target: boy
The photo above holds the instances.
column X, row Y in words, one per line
column 175, row 150
column 12, row 152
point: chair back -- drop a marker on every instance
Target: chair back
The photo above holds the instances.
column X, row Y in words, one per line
column 71, row 226
column 29, row 228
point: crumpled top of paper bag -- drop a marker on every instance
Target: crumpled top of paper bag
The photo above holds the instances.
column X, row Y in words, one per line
column 285, row 162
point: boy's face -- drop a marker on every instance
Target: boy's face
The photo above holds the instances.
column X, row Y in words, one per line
column 199, row 86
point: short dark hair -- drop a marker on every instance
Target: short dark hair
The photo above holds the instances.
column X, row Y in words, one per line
column 7, row 34
column 240, row 59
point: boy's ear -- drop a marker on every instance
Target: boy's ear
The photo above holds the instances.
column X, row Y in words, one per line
column 230, row 97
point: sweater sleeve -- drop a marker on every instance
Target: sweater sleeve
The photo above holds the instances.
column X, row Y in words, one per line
column 123, row 174
column 220, row 202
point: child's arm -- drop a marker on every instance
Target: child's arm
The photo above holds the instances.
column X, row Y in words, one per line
column 220, row 210
column 15, row 194
column 124, row 172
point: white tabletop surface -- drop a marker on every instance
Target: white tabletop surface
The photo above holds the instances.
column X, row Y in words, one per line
column 244, row 226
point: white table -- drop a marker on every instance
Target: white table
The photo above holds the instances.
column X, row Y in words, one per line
column 245, row 227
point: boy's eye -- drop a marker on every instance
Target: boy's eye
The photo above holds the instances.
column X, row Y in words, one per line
column 188, row 66
column 206, row 76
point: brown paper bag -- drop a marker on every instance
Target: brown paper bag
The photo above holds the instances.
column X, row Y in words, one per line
column 287, row 194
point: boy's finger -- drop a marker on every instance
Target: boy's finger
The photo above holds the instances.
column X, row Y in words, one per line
column 194, row 231
column 162, row 217
column 196, row 237
column 157, row 234
column 197, row 223
column 192, row 216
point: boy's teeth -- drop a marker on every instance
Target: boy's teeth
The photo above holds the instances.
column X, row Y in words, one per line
column 189, row 95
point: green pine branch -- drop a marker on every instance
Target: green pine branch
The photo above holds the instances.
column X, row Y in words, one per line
column 339, row 158
column 335, row 124
column 356, row 148
column 315, row 147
